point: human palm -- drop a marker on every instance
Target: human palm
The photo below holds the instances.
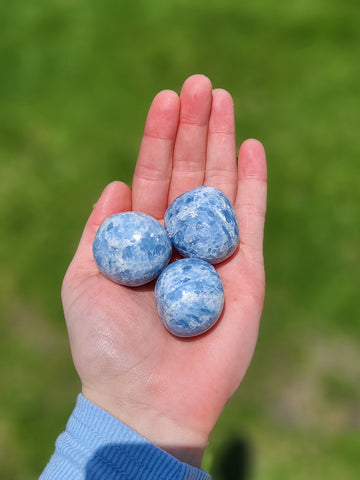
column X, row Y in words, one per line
column 172, row 390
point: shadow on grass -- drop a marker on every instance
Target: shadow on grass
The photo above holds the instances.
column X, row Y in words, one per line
column 234, row 460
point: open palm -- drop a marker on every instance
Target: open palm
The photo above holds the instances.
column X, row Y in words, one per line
column 172, row 390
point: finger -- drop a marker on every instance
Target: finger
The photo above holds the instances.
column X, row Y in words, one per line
column 221, row 170
column 250, row 203
column 115, row 198
column 153, row 169
column 190, row 146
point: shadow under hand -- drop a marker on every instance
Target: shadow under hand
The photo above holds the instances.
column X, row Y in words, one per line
column 134, row 461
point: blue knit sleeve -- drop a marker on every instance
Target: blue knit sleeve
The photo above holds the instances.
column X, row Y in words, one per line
column 97, row 446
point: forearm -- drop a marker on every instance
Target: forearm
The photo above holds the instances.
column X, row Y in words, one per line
column 97, row 445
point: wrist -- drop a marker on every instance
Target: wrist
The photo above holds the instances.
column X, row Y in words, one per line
column 186, row 445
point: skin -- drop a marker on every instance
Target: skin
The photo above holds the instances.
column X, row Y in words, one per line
column 172, row 390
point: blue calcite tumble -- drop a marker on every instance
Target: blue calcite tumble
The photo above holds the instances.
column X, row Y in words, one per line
column 189, row 297
column 202, row 224
column 131, row 248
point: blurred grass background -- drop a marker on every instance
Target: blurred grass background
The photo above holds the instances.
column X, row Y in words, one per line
column 76, row 80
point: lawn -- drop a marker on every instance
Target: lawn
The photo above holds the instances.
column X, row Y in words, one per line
column 76, row 80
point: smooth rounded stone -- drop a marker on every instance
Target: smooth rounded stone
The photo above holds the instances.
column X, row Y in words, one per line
column 189, row 297
column 202, row 224
column 131, row 248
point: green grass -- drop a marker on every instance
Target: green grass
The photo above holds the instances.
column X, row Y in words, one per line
column 76, row 81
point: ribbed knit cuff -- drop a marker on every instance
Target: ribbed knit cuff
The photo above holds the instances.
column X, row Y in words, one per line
column 97, row 446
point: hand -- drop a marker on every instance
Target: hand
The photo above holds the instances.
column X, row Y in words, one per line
column 172, row 390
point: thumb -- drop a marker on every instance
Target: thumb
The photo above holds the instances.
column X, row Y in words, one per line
column 115, row 198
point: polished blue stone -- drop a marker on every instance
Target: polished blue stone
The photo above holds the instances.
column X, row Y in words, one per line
column 131, row 248
column 202, row 224
column 189, row 297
